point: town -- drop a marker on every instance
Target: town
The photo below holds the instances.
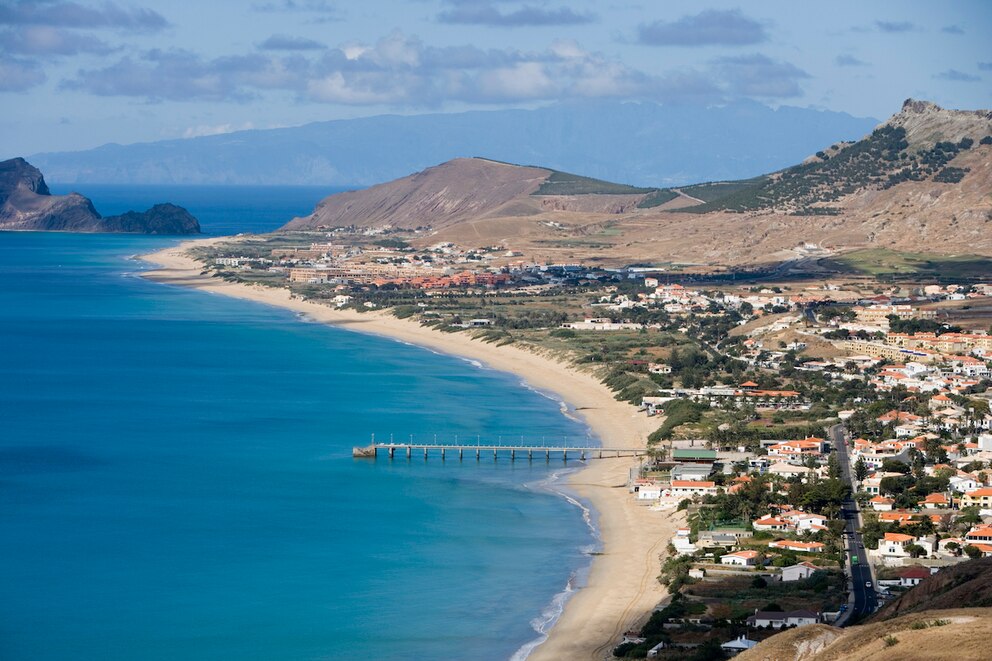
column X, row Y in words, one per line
column 824, row 439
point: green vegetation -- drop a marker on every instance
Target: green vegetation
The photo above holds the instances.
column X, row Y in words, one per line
column 880, row 262
column 677, row 412
column 880, row 161
column 657, row 198
column 564, row 183
column 719, row 190
column 951, row 175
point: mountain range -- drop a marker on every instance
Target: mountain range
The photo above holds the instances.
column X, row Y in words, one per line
column 918, row 182
column 645, row 144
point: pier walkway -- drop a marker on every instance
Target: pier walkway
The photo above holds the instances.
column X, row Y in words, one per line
column 513, row 452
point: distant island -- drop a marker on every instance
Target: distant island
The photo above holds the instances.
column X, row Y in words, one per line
column 645, row 144
column 27, row 204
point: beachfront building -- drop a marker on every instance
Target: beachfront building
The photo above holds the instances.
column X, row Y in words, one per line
column 682, row 542
column 690, row 488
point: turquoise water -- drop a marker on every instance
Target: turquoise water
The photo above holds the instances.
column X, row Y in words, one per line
column 176, row 479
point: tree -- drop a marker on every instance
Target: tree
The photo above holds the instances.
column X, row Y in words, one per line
column 861, row 469
column 833, row 466
column 972, row 551
column 915, row 550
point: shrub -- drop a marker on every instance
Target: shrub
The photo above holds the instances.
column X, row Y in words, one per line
column 890, row 640
column 950, row 175
column 621, row 650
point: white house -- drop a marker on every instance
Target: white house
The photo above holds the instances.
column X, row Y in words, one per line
column 800, row 547
column 913, row 576
column 689, row 488
column 681, row 542
column 740, row 559
column 808, row 521
column 881, row 504
column 649, row 492
column 771, row 523
column 738, row 645
column 798, row 572
column 777, row 620
column 789, row 470
column 894, row 544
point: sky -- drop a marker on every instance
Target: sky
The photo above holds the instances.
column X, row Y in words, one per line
column 76, row 74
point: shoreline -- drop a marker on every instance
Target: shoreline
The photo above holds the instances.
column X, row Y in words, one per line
column 621, row 586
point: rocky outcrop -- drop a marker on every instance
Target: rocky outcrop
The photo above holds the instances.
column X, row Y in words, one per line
column 160, row 219
column 27, row 204
column 926, row 123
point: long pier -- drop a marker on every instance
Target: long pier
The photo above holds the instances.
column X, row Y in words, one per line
column 513, row 452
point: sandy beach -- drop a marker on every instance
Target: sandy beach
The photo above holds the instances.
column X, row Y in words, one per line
column 622, row 586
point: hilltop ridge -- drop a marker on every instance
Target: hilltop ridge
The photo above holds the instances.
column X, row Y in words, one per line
column 905, row 186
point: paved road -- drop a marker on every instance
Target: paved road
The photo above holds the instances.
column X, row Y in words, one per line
column 865, row 597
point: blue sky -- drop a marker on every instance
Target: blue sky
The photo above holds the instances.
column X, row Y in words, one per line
column 77, row 74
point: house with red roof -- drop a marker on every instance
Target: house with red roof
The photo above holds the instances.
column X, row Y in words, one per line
column 799, row 547
column 740, row 558
column 690, row 488
column 771, row 523
column 881, row 504
column 895, row 544
column 912, row 576
column 934, row 501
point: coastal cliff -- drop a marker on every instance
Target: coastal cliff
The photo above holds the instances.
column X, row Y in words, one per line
column 26, row 203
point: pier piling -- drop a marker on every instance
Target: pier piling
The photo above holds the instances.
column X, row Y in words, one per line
column 372, row 451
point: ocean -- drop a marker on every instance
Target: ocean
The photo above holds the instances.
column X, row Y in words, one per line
column 176, row 479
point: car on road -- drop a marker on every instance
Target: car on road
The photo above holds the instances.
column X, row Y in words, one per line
column 867, row 584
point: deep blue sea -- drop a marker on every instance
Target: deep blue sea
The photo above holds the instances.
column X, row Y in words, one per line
column 176, row 479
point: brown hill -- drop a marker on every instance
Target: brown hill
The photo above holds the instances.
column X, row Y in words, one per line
column 456, row 191
column 940, row 635
column 920, row 182
column 466, row 190
column 927, row 622
column 969, row 583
